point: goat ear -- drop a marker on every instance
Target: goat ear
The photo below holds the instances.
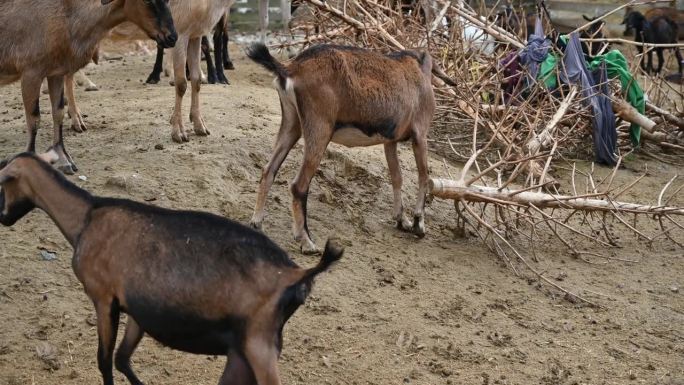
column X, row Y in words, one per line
column 49, row 157
column 105, row 2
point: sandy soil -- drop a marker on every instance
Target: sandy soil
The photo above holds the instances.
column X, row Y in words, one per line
column 441, row 310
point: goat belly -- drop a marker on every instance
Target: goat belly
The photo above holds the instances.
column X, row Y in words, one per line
column 185, row 331
column 353, row 137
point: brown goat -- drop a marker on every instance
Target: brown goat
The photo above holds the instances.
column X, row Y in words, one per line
column 652, row 13
column 54, row 38
column 193, row 281
column 354, row 97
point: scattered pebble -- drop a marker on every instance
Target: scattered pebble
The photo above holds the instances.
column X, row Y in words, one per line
column 158, row 146
column 674, row 289
column 48, row 255
column 83, row 177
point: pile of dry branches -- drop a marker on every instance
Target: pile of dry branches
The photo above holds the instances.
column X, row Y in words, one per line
column 512, row 137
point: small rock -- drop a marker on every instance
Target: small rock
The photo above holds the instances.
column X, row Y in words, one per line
column 83, row 177
column 48, row 255
column 674, row 289
column 158, row 146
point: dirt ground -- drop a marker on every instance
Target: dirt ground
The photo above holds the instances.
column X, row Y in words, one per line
column 395, row 310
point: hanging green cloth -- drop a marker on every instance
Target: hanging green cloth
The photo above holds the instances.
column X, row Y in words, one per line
column 616, row 66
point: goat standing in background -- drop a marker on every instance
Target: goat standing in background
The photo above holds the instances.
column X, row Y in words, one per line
column 193, row 281
column 662, row 30
column 354, row 97
column 54, row 38
column 215, row 69
column 193, row 19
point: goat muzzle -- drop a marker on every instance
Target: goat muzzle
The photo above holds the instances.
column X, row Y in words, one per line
column 168, row 39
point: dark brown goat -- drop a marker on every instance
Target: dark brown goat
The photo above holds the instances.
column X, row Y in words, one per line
column 354, row 97
column 193, row 281
column 52, row 38
column 650, row 14
column 661, row 30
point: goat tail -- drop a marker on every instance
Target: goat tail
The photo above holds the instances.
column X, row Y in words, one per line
column 258, row 52
column 332, row 253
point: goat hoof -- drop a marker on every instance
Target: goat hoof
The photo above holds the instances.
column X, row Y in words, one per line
column 67, row 169
column 179, row 137
column 152, row 80
column 228, row 65
column 418, row 226
column 256, row 225
column 310, row 249
column 79, row 127
column 404, row 224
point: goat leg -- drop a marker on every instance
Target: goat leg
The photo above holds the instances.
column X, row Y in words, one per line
column 64, row 162
column 237, row 371
column 130, row 341
column 77, row 123
column 30, row 93
column 661, row 60
column 395, row 175
column 227, row 63
column 107, row 327
column 289, row 133
column 262, row 356
column 420, row 153
column 180, row 52
column 194, row 54
column 219, row 55
column 211, row 70
column 313, row 154
column 155, row 76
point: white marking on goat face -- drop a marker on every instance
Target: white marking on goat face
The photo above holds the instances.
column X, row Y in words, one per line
column 353, row 137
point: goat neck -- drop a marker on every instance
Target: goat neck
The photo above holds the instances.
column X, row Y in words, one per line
column 67, row 205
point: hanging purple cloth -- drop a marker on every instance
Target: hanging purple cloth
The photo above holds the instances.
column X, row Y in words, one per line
column 603, row 119
column 535, row 51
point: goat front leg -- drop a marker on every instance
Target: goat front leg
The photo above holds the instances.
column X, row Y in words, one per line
column 420, row 153
column 77, row 123
column 130, row 341
column 180, row 51
column 237, row 371
column 30, row 93
column 314, row 148
column 289, row 133
column 194, row 55
column 395, row 175
column 107, row 327
column 64, row 162
column 155, row 75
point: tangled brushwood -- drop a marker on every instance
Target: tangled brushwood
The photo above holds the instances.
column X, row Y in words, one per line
column 515, row 128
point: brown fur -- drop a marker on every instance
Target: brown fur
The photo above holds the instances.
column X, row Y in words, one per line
column 672, row 13
column 53, row 38
column 326, row 94
column 186, row 278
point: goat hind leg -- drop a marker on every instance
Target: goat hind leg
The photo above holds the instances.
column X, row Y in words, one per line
column 196, row 83
column 107, row 327
column 130, row 341
column 64, row 162
column 77, row 123
column 395, row 175
column 313, row 154
column 237, row 371
column 262, row 356
column 420, row 153
column 211, row 70
column 661, row 60
column 289, row 134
